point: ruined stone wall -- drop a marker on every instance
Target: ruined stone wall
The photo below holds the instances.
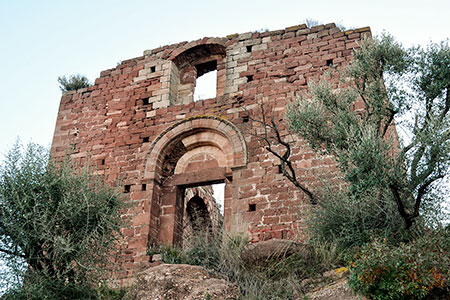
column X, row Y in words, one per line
column 139, row 123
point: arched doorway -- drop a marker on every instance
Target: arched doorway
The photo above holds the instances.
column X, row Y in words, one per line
column 194, row 152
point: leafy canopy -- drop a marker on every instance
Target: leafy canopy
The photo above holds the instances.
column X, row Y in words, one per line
column 58, row 224
column 73, row 83
column 384, row 89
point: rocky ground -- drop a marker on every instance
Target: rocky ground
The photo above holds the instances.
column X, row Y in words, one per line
column 186, row 282
column 331, row 285
column 182, row 282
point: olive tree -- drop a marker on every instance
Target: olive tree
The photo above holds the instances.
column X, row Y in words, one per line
column 383, row 90
column 58, row 223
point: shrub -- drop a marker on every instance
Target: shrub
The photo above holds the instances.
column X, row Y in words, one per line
column 417, row 270
column 58, row 225
column 73, row 83
column 172, row 255
column 46, row 290
column 354, row 220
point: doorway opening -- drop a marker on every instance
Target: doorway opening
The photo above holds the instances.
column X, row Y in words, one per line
column 203, row 216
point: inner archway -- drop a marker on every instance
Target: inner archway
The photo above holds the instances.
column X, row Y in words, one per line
column 198, row 216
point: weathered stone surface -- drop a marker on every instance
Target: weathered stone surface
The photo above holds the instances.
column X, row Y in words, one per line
column 338, row 290
column 182, row 282
column 275, row 248
column 331, row 285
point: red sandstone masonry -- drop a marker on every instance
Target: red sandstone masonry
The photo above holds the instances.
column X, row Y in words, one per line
column 138, row 121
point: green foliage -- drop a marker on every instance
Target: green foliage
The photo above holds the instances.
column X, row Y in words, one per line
column 44, row 289
column 350, row 220
column 58, row 224
column 103, row 292
column 73, row 83
column 172, row 255
column 354, row 121
column 418, row 270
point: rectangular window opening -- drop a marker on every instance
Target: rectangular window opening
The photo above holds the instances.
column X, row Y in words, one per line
column 329, row 62
column 146, row 139
column 245, row 119
column 252, row 207
column 249, row 78
column 249, row 48
column 145, row 101
column 206, row 82
column 127, row 188
column 153, row 69
column 144, row 187
column 103, row 162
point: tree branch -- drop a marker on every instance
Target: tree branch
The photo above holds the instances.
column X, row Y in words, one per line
column 284, row 159
column 421, row 192
column 447, row 105
column 15, row 253
column 388, row 123
column 287, row 168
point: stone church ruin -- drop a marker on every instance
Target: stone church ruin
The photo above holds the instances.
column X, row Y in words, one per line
column 139, row 123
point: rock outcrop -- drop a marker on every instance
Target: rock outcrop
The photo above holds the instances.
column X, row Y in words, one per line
column 262, row 251
column 331, row 285
column 182, row 282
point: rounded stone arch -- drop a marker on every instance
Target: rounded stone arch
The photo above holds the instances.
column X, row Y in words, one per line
column 191, row 61
column 201, row 131
column 198, row 214
column 209, row 154
column 190, row 52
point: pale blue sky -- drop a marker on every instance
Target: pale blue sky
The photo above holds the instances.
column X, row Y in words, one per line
column 41, row 40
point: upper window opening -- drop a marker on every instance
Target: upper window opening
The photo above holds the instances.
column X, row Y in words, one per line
column 206, row 85
column 199, row 73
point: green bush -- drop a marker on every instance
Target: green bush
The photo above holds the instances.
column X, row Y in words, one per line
column 46, row 290
column 58, row 225
column 172, row 255
column 417, row 270
column 73, row 83
column 353, row 220
column 205, row 251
